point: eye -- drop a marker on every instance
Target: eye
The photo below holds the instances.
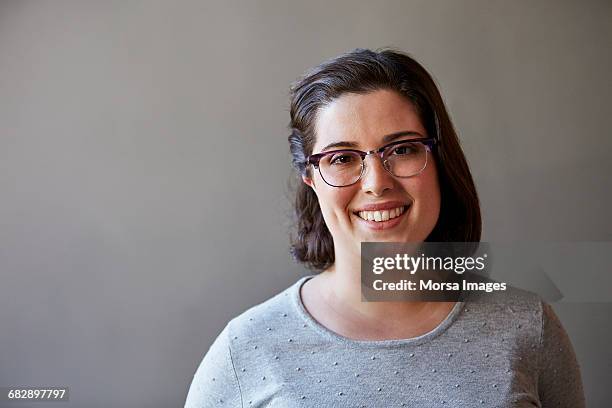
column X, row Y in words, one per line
column 403, row 149
column 342, row 159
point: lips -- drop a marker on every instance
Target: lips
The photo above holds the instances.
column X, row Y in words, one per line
column 387, row 205
column 383, row 215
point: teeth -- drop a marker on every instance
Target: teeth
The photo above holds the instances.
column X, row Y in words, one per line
column 379, row 216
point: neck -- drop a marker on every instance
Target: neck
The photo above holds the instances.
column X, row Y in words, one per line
column 343, row 293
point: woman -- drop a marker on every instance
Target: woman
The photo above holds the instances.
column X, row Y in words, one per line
column 316, row 343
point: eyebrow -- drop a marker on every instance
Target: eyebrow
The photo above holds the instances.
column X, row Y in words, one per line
column 386, row 139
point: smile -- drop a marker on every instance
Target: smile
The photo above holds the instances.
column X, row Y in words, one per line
column 382, row 215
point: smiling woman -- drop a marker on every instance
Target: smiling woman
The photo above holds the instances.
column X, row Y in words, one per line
column 331, row 102
column 379, row 160
column 404, row 181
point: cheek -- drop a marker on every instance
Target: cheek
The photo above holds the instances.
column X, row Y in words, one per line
column 426, row 192
column 334, row 205
column 431, row 194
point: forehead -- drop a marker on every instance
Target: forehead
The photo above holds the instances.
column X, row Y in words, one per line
column 365, row 118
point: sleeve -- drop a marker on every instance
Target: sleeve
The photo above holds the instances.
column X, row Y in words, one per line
column 559, row 380
column 215, row 383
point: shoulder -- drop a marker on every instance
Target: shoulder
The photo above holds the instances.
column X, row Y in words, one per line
column 275, row 312
column 502, row 299
column 513, row 310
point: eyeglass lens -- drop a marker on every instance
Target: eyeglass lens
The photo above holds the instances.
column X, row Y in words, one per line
column 401, row 160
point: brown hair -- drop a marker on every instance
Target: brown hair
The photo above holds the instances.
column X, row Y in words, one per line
column 362, row 71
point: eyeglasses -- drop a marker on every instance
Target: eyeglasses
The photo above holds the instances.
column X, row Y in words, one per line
column 402, row 158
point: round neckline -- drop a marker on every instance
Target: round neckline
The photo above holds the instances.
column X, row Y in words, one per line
column 330, row 334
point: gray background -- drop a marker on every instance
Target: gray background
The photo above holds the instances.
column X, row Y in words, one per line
column 144, row 165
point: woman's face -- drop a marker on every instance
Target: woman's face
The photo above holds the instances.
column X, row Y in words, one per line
column 364, row 119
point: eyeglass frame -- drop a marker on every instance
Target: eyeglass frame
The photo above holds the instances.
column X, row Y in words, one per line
column 428, row 142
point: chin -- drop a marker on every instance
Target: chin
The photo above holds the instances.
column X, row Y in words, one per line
column 383, row 238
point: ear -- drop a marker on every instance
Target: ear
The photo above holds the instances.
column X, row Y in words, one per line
column 308, row 181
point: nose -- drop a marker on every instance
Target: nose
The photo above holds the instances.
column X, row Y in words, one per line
column 375, row 179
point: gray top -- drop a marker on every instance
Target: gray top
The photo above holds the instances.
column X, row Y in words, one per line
column 508, row 350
